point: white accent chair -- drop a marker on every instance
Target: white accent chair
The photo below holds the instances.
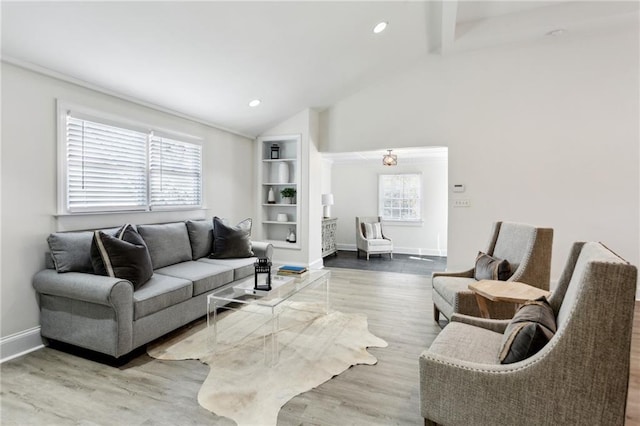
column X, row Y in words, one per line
column 372, row 245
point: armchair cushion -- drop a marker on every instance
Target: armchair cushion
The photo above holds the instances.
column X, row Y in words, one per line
column 491, row 268
column 530, row 329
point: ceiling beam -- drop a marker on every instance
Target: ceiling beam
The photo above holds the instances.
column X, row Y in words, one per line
column 441, row 25
column 448, row 25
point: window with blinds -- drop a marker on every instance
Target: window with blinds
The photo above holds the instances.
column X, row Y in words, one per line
column 114, row 168
column 174, row 173
column 399, row 197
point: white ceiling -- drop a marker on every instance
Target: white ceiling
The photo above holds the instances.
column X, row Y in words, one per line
column 207, row 60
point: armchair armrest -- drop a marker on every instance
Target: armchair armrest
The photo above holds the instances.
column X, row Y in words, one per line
column 463, row 274
column 489, row 324
column 262, row 249
column 86, row 287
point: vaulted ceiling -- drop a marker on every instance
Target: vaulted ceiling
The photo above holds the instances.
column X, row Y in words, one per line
column 207, row 60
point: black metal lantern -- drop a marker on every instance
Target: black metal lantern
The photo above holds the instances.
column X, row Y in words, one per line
column 275, row 152
column 263, row 266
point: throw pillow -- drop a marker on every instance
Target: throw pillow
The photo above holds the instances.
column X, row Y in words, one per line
column 491, row 268
column 231, row 241
column 200, row 237
column 123, row 255
column 70, row 251
column 531, row 328
column 373, row 231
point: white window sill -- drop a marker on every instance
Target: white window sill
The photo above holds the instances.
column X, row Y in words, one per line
column 415, row 223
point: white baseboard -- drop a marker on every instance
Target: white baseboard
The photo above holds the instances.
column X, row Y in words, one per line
column 401, row 250
column 19, row 344
column 316, row 264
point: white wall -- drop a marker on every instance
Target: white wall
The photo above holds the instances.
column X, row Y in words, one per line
column 545, row 134
column 356, row 194
column 29, row 180
column 309, row 235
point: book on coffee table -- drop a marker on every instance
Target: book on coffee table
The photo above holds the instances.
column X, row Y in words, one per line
column 293, row 271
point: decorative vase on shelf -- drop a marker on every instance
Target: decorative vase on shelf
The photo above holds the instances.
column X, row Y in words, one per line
column 292, row 236
column 271, row 197
column 283, row 172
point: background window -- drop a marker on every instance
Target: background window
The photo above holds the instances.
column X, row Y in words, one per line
column 399, row 197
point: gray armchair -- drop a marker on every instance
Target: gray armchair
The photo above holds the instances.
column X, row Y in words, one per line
column 580, row 377
column 527, row 249
column 372, row 245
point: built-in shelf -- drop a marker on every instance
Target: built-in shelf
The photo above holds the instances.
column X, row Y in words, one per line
column 275, row 175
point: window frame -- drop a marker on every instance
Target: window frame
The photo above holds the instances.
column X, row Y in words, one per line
column 86, row 113
column 381, row 199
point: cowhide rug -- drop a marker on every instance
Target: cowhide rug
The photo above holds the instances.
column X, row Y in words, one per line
column 313, row 347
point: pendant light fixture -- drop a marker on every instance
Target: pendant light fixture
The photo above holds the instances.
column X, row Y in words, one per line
column 389, row 159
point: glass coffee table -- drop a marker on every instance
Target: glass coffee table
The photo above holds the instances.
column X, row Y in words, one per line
column 241, row 297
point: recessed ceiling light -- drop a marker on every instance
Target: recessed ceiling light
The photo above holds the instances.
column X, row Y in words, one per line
column 380, row 27
column 254, row 103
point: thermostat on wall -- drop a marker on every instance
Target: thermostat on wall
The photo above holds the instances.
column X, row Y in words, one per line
column 458, row 187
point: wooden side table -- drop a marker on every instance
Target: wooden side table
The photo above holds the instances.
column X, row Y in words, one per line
column 503, row 291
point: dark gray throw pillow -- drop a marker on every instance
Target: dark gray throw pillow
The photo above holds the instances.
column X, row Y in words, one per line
column 123, row 255
column 531, row 328
column 200, row 237
column 491, row 268
column 70, row 251
column 231, row 241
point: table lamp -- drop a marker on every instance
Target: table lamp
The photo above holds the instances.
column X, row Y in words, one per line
column 327, row 202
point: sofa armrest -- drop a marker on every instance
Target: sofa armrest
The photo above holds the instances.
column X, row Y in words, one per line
column 86, row 287
column 262, row 249
column 489, row 324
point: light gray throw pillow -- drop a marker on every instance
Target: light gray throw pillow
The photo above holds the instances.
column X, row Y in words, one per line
column 71, row 251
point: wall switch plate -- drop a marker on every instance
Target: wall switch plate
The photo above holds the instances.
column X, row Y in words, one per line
column 461, row 203
column 458, row 187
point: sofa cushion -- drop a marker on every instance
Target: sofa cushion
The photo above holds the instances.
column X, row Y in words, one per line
column 205, row 276
column 491, row 268
column 230, row 241
column 201, row 237
column 529, row 331
column 168, row 243
column 242, row 268
column 71, row 251
column 160, row 292
column 122, row 256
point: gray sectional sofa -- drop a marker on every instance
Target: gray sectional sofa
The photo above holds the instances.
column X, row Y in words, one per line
column 108, row 315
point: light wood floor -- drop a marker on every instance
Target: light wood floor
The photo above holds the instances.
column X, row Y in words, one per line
column 54, row 387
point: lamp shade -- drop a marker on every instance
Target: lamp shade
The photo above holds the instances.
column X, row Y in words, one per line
column 327, row 199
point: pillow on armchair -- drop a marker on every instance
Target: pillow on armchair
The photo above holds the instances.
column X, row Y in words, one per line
column 531, row 328
column 372, row 231
column 491, row 268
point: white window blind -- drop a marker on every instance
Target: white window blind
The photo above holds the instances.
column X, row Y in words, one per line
column 175, row 173
column 106, row 167
column 400, row 197
column 109, row 166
